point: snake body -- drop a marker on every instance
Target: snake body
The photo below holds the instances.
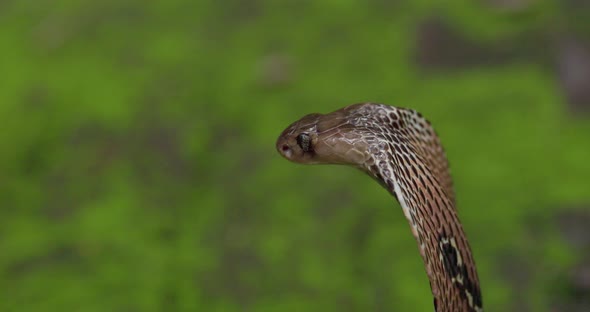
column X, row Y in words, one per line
column 400, row 149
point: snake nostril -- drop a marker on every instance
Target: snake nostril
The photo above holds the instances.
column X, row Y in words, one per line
column 285, row 147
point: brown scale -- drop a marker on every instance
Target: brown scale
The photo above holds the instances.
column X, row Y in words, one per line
column 400, row 149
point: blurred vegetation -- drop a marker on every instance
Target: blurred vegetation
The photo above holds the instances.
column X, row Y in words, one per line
column 138, row 170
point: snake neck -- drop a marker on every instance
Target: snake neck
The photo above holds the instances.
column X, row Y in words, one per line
column 442, row 242
column 402, row 161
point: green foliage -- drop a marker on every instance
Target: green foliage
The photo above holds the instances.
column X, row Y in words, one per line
column 138, row 170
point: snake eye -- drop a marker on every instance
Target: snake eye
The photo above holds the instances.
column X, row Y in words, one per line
column 304, row 141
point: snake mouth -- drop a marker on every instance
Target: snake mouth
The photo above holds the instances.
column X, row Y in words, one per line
column 286, row 151
column 290, row 148
column 285, row 147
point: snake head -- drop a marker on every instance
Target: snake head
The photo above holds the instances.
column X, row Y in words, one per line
column 323, row 139
column 297, row 143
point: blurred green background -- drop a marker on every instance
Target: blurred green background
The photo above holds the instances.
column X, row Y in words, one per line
column 138, row 170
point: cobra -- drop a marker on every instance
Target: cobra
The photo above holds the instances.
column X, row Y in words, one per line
column 400, row 149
